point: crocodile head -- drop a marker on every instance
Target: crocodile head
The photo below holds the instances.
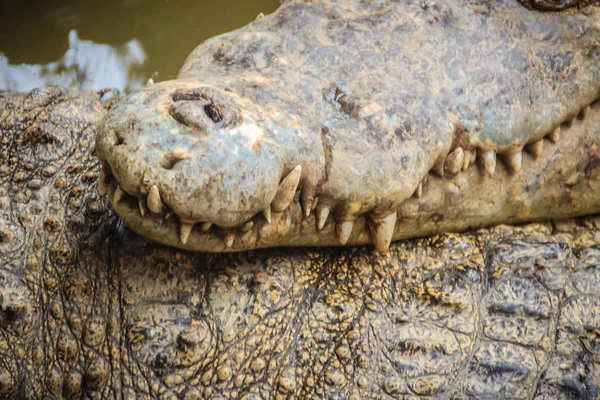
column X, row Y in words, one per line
column 323, row 125
column 206, row 153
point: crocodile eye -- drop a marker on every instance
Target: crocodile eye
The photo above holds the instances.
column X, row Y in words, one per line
column 214, row 112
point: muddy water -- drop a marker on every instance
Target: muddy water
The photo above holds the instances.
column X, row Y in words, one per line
column 109, row 43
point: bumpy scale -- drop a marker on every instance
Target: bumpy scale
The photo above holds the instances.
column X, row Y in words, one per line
column 91, row 310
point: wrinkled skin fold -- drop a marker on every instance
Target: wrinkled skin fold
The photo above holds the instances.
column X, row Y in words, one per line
column 90, row 309
column 332, row 123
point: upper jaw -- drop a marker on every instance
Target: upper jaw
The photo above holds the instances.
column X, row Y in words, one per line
column 194, row 151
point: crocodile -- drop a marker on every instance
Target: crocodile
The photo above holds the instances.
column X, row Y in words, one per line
column 333, row 123
column 89, row 309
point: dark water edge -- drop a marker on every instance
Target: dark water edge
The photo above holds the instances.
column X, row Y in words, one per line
column 95, row 44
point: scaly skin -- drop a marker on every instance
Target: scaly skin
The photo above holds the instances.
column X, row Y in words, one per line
column 322, row 123
column 90, row 310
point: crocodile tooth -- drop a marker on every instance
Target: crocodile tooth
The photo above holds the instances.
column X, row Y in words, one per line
column 229, row 238
column 554, row 136
column 488, row 158
column 467, row 160
column 142, row 206
column 307, row 204
column 322, row 214
column 184, row 232
column 438, row 168
column 247, row 226
column 514, row 160
column 473, row 156
column 455, row 160
column 419, row 190
column 536, row 148
column 206, row 226
column 343, row 230
column 102, row 185
column 382, row 231
column 150, row 82
column 287, row 190
column 118, row 195
column 154, row 202
column 267, row 214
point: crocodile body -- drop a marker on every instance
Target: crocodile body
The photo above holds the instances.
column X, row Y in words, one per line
column 357, row 122
column 89, row 309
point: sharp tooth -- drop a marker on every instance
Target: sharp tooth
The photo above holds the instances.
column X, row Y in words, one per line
column 118, row 195
column 467, row 160
column 536, row 148
column 154, row 202
column 247, row 226
column 102, row 185
column 438, row 168
column 287, row 190
column 514, row 161
column 554, row 136
column 455, row 160
column 419, row 190
column 150, row 82
column 307, row 204
column 142, row 206
column 206, row 226
column 344, row 229
column 267, row 214
column 322, row 214
column 473, row 156
column 382, row 231
column 488, row 158
column 229, row 238
column 184, row 232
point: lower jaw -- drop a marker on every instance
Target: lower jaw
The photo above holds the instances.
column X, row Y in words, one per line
column 562, row 182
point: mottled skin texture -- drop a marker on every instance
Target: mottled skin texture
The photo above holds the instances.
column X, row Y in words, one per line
column 89, row 309
column 369, row 98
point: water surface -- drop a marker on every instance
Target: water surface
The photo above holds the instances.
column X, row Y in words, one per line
column 66, row 40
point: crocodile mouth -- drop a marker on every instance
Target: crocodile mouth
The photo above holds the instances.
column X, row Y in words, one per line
column 289, row 222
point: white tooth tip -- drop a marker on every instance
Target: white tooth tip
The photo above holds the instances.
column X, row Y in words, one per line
column 322, row 214
column 467, row 160
column 228, row 239
column 247, row 226
column 118, row 195
column 267, row 214
column 150, row 82
column 344, row 230
column 287, row 190
column 536, row 148
column 455, row 160
column 184, row 232
column 514, row 161
column 142, row 206
column 382, row 231
column 154, row 202
column 206, row 226
column 554, row 136
column 307, row 207
column 488, row 159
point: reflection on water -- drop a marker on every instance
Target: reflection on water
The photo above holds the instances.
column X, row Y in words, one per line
column 85, row 65
column 113, row 34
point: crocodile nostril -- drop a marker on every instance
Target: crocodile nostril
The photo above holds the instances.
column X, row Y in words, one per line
column 119, row 140
column 214, row 112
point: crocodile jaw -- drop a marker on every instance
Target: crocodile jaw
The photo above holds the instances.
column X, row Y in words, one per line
column 353, row 174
